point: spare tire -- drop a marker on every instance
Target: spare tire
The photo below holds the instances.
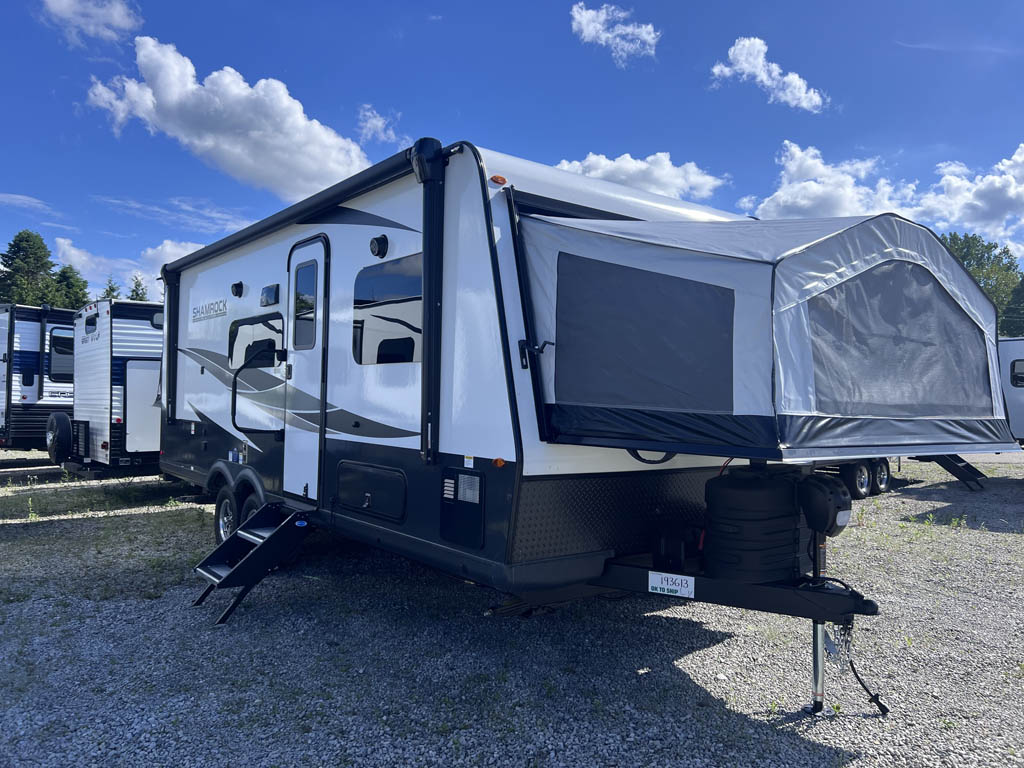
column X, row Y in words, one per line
column 58, row 437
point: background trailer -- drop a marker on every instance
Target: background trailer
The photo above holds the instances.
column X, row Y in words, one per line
column 115, row 426
column 531, row 379
column 36, row 372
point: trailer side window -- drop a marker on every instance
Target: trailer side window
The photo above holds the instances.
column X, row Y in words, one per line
column 91, row 323
column 62, row 355
column 157, row 320
column 1017, row 373
column 388, row 312
column 304, row 307
column 257, row 338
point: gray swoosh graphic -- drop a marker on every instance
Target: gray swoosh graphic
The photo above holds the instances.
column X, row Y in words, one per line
column 306, row 412
column 342, row 215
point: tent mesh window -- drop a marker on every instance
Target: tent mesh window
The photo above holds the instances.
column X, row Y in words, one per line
column 631, row 338
column 892, row 342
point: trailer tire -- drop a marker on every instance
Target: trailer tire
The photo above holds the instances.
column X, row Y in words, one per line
column 58, row 437
column 225, row 516
column 249, row 506
column 857, row 475
column 881, row 476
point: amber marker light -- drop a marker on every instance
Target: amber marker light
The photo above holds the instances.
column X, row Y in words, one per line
column 499, row 463
column 499, row 179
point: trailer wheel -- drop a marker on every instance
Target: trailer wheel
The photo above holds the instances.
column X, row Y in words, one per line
column 249, row 507
column 857, row 476
column 58, row 437
column 225, row 518
column 881, row 476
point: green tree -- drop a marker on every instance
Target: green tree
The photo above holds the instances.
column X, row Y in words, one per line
column 994, row 267
column 112, row 289
column 27, row 276
column 138, row 290
column 70, row 289
column 1011, row 320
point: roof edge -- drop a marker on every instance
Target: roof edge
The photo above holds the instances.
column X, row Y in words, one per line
column 386, row 170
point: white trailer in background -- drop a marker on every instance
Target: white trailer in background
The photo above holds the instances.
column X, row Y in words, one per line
column 36, row 372
column 115, row 426
column 1011, row 372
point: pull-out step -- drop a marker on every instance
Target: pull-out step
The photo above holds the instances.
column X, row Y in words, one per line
column 268, row 537
column 960, row 468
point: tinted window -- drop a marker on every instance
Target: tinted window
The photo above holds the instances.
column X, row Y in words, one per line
column 304, row 306
column 248, row 337
column 388, row 312
column 62, row 355
column 1017, row 373
column 157, row 320
column 91, row 322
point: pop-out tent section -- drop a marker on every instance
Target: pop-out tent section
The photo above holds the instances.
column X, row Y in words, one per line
column 793, row 339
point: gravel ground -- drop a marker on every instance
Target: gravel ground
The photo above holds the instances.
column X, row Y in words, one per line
column 356, row 657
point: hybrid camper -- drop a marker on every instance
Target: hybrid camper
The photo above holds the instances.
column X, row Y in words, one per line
column 36, row 372
column 532, row 380
column 115, row 424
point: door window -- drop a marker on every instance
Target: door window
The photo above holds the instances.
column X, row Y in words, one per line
column 62, row 355
column 304, row 306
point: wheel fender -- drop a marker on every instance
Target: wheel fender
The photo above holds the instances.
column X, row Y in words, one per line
column 232, row 474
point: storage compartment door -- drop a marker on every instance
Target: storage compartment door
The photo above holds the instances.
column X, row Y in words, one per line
column 141, row 408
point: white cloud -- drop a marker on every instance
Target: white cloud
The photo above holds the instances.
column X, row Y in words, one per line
column 96, row 269
column 183, row 212
column 655, row 173
column 374, row 126
column 24, row 201
column 811, row 187
column 606, row 26
column 55, row 225
column 108, row 20
column 259, row 134
column 990, row 204
column 748, row 61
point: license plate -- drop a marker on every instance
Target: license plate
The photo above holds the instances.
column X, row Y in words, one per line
column 669, row 584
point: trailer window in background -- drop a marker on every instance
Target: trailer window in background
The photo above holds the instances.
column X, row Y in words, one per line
column 62, row 355
column 157, row 320
column 387, row 315
column 91, row 323
column 304, row 306
column 1017, row 373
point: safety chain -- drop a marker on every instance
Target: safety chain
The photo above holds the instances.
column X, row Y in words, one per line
column 839, row 646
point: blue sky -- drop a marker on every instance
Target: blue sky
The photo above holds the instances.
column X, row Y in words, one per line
column 122, row 156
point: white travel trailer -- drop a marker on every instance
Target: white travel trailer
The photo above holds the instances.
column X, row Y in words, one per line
column 1011, row 362
column 531, row 379
column 115, row 425
column 36, row 372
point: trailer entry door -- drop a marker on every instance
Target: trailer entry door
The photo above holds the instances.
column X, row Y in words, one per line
column 303, row 392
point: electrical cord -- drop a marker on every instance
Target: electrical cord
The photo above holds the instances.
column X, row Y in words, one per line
column 872, row 697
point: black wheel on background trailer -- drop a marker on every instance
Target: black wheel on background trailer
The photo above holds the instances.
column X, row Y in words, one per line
column 857, row 476
column 58, row 437
column 881, row 476
column 225, row 516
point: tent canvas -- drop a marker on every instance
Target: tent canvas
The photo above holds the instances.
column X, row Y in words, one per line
column 789, row 339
